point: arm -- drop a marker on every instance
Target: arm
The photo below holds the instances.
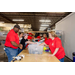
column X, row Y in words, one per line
column 56, row 50
column 16, row 45
column 57, row 45
column 45, row 43
column 42, row 44
column 30, row 42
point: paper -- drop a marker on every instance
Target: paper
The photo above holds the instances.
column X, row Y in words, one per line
column 19, row 57
column 22, row 56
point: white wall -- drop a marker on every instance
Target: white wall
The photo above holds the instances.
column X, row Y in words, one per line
column 67, row 25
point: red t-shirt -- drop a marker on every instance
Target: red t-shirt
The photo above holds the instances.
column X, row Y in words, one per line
column 29, row 37
column 12, row 36
column 56, row 43
column 45, row 39
column 38, row 37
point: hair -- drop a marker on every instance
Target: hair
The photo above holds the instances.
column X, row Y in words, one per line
column 53, row 34
column 20, row 33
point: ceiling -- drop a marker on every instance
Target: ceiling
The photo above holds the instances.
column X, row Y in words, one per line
column 32, row 18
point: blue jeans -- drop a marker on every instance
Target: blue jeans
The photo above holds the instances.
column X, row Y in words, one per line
column 61, row 60
column 19, row 50
column 11, row 53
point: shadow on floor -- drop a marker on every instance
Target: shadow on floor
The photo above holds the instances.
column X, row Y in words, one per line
column 67, row 59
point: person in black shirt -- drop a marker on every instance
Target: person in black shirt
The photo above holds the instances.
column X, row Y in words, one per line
column 25, row 41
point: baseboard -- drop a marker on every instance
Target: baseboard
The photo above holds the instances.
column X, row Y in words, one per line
column 69, row 58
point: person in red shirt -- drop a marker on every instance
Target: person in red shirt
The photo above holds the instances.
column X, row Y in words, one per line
column 39, row 37
column 45, row 37
column 29, row 36
column 55, row 46
column 12, row 43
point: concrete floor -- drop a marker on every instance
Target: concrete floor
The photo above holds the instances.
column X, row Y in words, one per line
column 67, row 60
column 2, row 59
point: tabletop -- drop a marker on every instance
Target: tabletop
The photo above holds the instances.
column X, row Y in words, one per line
column 44, row 57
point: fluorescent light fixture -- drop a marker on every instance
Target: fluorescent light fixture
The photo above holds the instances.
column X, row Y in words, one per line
column 45, row 20
column 47, row 23
column 18, row 20
column 44, row 25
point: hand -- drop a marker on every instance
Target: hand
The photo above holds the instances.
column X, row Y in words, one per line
column 34, row 43
column 26, row 42
column 40, row 45
column 51, row 55
column 20, row 46
column 46, row 46
column 34, row 39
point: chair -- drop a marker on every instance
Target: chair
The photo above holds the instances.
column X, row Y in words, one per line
column 2, row 52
